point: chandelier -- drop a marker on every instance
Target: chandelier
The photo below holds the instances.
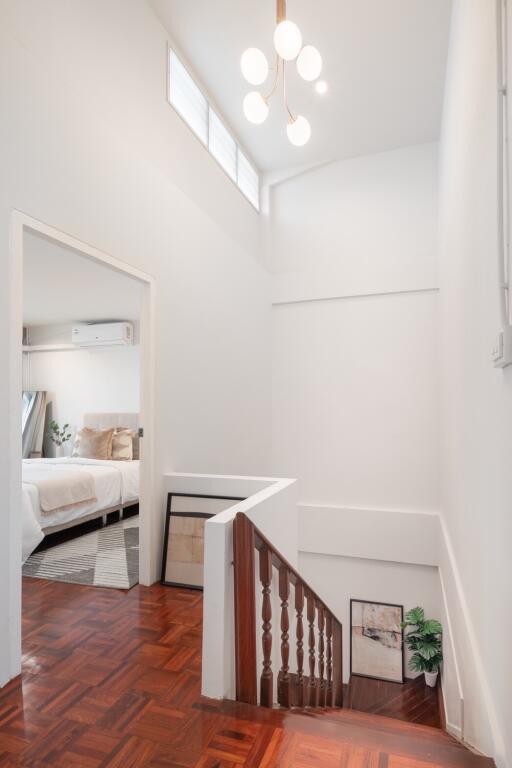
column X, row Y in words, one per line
column 255, row 69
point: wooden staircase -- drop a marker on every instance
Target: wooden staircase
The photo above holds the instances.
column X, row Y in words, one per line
column 306, row 707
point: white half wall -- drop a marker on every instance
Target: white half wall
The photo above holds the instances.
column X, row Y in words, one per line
column 373, row 534
column 271, row 504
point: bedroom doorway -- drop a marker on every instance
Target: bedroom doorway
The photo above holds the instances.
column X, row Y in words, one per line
column 84, row 299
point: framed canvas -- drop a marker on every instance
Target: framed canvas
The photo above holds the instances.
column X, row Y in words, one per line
column 183, row 551
column 377, row 640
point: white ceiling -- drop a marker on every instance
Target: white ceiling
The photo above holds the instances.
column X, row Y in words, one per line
column 384, row 62
column 62, row 286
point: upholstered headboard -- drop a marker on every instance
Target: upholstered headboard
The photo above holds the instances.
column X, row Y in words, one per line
column 109, row 420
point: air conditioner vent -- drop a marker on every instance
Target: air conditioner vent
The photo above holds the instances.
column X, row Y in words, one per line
column 102, row 334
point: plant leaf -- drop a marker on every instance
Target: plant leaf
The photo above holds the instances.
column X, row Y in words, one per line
column 428, row 650
column 417, row 663
column 415, row 615
column 432, row 627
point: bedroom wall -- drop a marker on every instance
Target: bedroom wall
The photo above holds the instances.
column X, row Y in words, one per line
column 476, row 398
column 120, row 170
column 96, row 380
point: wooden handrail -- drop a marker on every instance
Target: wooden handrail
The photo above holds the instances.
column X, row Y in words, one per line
column 302, row 688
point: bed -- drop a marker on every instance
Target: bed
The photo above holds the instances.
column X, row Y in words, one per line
column 116, row 486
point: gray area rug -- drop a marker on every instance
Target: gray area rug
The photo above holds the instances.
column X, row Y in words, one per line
column 108, row 557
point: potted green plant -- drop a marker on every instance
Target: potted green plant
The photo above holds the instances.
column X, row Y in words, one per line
column 424, row 639
column 59, row 436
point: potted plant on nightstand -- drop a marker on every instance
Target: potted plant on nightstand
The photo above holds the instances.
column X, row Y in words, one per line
column 424, row 639
column 58, row 436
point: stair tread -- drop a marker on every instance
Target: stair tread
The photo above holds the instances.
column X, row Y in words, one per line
column 384, row 721
column 422, row 742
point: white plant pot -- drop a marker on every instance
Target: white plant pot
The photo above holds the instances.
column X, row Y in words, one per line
column 431, row 678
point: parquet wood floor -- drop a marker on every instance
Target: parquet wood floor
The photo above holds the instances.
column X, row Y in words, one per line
column 111, row 679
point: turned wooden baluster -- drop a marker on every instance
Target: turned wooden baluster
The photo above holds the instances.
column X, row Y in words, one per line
column 299, row 607
column 311, row 622
column 267, row 678
column 337, row 651
column 284, row 677
column 328, row 637
column 321, row 656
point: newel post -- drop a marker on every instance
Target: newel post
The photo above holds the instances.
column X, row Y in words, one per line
column 245, row 609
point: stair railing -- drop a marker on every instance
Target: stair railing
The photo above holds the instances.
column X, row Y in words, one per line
column 320, row 684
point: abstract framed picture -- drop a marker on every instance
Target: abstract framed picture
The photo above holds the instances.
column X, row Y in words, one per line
column 183, row 551
column 377, row 640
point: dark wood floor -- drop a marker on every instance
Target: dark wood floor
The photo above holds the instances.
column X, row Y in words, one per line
column 413, row 702
column 111, row 679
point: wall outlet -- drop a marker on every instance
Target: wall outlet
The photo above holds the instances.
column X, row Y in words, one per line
column 502, row 350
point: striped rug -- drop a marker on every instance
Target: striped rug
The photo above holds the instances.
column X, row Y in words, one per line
column 108, row 557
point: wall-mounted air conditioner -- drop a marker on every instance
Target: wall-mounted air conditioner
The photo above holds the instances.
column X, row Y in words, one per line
column 102, row 334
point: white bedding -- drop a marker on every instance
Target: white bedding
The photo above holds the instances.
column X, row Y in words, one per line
column 116, row 482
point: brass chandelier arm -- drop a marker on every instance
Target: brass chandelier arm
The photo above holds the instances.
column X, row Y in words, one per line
column 276, row 79
column 285, row 100
column 280, row 65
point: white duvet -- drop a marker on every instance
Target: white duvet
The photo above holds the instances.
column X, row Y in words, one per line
column 116, row 482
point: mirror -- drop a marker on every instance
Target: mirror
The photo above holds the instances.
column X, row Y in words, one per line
column 33, row 412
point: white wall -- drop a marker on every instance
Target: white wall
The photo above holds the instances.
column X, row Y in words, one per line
column 388, row 555
column 341, row 579
column 354, row 401
column 355, row 415
column 366, row 224
column 355, row 411
column 89, row 145
column 476, row 398
column 96, row 380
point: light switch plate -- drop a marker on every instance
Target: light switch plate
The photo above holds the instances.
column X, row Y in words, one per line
column 502, row 350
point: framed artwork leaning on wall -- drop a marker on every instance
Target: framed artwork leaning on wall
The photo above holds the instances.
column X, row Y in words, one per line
column 377, row 640
column 183, row 550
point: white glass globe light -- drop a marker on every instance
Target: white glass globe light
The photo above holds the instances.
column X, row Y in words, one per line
column 254, row 66
column 321, row 87
column 287, row 40
column 255, row 108
column 309, row 63
column 299, row 131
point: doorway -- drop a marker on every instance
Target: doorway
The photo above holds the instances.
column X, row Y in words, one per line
column 23, row 230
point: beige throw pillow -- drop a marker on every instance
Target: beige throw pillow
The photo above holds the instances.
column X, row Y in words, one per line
column 93, row 444
column 135, row 439
column 122, row 445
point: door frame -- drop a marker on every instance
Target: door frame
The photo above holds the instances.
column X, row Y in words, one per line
column 148, row 567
